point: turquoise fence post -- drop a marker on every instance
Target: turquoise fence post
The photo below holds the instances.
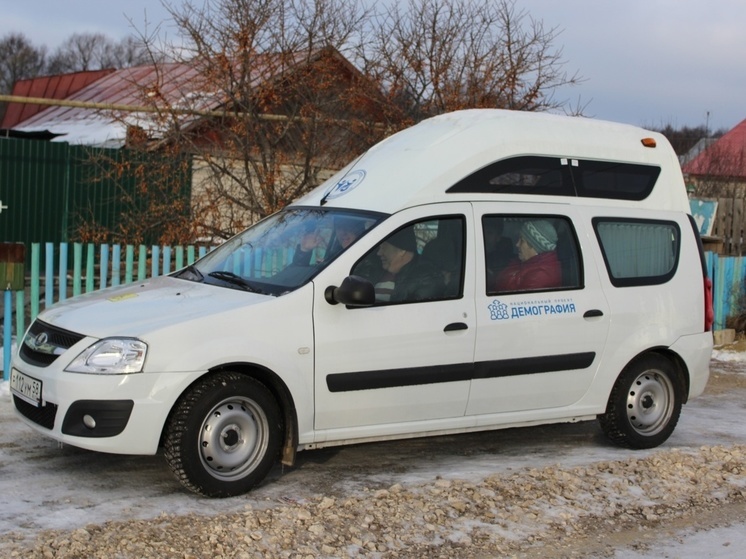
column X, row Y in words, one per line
column 166, row 260
column 116, row 265
column 103, row 266
column 90, row 267
column 62, row 294
column 35, row 255
column 48, row 274
column 179, row 262
column 719, row 292
column 129, row 263
column 7, row 321
column 190, row 254
column 77, row 269
column 142, row 263
column 155, row 261
column 20, row 316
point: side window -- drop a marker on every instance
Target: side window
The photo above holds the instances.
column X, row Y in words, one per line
column 530, row 253
column 638, row 252
column 620, row 181
column 522, row 175
column 562, row 176
column 423, row 261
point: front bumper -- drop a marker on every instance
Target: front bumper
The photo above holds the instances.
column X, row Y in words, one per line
column 120, row 414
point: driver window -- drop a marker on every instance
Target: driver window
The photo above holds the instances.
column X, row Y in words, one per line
column 422, row 261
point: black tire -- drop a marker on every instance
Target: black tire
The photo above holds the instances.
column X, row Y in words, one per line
column 645, row 404
column 224, row 435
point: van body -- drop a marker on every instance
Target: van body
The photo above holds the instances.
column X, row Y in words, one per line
column 483, row 269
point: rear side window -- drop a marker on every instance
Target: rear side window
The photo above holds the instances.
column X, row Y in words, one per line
column 521, row 175
column 562, row 176
column 609, row 179
column 530, row 253
column 638, row 252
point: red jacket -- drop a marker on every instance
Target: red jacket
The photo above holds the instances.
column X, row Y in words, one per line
column 540, row 272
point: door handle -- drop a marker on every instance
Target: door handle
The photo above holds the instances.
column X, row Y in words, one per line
column 453, row 326
column 593, row 313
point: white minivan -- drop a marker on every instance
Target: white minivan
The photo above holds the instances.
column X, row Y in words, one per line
column 483, row 269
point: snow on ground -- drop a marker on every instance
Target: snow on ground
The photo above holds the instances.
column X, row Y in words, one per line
column 48, row 487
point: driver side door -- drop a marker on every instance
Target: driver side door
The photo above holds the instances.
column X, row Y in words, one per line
column 381, row 368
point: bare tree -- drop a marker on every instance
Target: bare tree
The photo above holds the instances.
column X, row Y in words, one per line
column 19, row 60
column 434, row 56
column 94, row 51
column 294, row 109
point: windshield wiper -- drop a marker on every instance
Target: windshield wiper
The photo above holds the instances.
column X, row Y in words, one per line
column 234, row 279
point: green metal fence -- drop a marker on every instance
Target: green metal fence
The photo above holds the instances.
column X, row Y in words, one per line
column 48, row 190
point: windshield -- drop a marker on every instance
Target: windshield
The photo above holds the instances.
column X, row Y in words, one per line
column 283, row 251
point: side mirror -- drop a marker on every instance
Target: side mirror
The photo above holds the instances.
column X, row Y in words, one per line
column 354, row 292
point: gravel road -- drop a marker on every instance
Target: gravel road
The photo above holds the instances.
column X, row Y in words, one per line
column 559, row 492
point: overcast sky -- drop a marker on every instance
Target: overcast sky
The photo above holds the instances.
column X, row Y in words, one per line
column 646, row 62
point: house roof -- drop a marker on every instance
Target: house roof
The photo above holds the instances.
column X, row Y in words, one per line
column 174, row 85
column 725, row 157
column 139, row 86
column 48, row 87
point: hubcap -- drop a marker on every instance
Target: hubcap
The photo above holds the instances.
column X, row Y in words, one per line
column 233, row 438
column 650, row 402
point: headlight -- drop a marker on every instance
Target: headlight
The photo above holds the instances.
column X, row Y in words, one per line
column 112, row 356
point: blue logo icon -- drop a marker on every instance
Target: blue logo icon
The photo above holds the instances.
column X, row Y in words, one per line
column 345, row 184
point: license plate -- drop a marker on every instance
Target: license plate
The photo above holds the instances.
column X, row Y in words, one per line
column 25, row 387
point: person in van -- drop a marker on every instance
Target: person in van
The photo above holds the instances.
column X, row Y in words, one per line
column 537, row 266
column 407, row 277
column 346, row 232
column 499, row 248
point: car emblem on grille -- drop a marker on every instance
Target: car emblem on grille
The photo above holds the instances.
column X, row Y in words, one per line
column 40, row 343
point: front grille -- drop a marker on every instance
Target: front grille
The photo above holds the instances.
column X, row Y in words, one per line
column 43, row 415
column 44, row 343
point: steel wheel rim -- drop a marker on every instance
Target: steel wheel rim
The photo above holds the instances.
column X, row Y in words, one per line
column 650, row 402
column 233, row 438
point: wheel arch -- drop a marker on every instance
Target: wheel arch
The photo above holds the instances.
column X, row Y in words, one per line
column 279, row 390
column 676, row 360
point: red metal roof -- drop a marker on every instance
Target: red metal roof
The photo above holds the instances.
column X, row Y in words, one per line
column 167, row 85
column 47, row 87
column 724, row 158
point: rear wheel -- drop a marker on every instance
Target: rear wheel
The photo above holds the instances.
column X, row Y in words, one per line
column 224, row 435
column 645, row 404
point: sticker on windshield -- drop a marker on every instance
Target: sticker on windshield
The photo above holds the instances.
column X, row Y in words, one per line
column 345, row 184
column 117, row 298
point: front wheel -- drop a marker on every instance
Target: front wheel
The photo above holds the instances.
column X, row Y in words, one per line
column 224, row 435
column 644, row 405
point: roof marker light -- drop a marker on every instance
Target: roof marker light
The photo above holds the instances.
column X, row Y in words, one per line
column 649, row 142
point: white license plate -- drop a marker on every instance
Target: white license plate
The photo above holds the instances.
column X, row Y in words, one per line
column 25, row 387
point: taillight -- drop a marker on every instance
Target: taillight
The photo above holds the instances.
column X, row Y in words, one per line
column 709, row 310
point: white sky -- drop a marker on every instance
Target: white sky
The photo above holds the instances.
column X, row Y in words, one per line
column 646, row 62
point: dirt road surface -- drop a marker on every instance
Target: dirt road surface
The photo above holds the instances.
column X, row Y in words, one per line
column 559, row 491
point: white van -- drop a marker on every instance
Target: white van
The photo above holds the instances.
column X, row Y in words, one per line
column 483, row 269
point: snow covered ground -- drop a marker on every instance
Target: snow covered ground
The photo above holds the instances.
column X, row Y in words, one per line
column 47, row 487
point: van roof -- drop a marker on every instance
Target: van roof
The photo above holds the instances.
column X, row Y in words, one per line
column 419, row 164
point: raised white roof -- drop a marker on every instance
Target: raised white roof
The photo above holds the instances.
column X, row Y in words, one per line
column 418, row 164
